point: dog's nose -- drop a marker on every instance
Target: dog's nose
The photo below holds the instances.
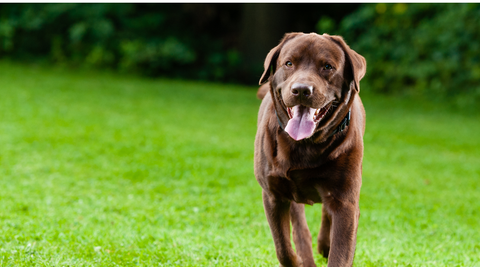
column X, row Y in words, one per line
column 302, row 90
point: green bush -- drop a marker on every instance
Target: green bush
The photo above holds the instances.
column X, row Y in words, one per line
column 418, row 49
column 155, row 39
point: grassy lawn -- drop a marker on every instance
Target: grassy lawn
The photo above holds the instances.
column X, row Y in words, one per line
column 100, row 169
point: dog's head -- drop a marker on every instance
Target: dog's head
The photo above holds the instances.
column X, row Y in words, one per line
column 313, row 78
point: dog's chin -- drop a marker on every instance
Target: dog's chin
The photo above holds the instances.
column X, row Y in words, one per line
column 304, row 120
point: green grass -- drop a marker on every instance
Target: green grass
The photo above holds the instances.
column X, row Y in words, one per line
column 99, row 169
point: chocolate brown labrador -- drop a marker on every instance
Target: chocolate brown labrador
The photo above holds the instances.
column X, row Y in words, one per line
column 309, row 145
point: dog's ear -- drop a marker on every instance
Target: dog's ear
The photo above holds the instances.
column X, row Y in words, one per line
column 270, row 64
column 357, row 63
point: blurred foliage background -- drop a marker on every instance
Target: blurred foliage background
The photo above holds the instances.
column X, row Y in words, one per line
column 428, row 50
column 422, row 50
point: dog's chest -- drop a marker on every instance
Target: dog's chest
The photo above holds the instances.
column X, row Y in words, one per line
column 298, row 173
column 301, row 186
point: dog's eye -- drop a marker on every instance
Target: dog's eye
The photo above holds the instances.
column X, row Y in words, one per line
column 289, row 64
column 327, row 67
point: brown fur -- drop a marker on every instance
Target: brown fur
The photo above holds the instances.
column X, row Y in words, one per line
column 323, row 168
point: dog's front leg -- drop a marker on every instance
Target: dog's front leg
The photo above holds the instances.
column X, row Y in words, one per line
column 344, row 234
column 277, row 211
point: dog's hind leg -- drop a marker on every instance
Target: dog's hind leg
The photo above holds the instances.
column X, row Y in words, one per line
column 301, row 234
column 324, row 235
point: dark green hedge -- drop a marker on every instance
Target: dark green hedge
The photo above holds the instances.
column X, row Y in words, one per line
column 418, row 49
column 429, row 50
column 172, row 40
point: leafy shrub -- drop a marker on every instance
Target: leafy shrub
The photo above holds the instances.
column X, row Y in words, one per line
column 421, row 49
column 156, row 39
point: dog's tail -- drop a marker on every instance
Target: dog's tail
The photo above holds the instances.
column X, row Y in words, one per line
column 263, row 90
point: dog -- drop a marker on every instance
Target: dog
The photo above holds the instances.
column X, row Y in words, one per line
column 309, row 145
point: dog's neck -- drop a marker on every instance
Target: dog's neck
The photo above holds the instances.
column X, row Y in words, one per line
column 344, row 124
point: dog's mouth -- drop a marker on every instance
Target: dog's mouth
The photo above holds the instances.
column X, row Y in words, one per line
column 304, row 120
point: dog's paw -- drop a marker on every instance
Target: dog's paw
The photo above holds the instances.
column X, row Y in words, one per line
column 298, row 262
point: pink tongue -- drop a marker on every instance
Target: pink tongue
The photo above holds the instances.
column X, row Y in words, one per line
column 301, row 124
